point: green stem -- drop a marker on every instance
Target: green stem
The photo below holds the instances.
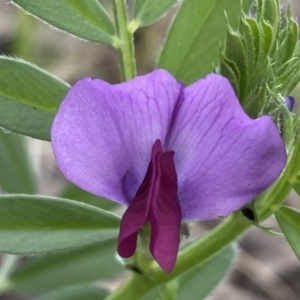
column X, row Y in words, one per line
column 171, row 290
column 229, row 230
column 276, row 195
column 8, row 266
column 124, row 42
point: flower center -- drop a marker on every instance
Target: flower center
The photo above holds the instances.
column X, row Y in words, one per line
column 156, row 202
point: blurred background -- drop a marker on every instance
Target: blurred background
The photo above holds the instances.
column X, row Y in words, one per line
column 266, row 269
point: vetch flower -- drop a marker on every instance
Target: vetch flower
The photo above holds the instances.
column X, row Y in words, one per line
column 289, row 102
column 168, row 152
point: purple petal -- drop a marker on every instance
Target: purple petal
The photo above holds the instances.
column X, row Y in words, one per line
column 156, row 202
column 165, row 216
column 289, row 102
column 222, row 157
column 137, row 213
column 103, row 134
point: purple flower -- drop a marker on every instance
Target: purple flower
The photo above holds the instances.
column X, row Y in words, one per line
column 168, row 152
column 289, row 102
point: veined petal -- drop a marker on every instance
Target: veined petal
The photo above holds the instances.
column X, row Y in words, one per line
column 222, row 157
column 103, row 134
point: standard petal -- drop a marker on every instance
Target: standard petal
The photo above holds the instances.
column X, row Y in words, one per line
column 103, row 134
column 223, row 158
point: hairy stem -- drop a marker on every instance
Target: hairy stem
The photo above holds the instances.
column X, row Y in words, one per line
column 230, row 229
column 124, row 41
column 276, row 195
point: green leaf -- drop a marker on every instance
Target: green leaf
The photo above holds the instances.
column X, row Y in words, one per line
column 192, row 46
column 29, row 98
column 75, row 193
column 296, row 185
column 85, row 19
column 289, row 221
column 147, row 12
column 16, row 174
column 81, row 292
column 25, row 119
column 36, row 224
column 54, row 271
column 199, row 282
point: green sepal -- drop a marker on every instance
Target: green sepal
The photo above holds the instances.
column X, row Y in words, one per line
column 268, row 38
column 269, row 66
column 285, row 123
column 290, row 42
column 254, row 108
column 230, row 70
column 271, row 13
column 248, row 41
column 255, row 32
column 235, row 52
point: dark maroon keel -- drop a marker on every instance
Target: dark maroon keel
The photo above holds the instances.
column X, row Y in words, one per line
column 156, row 202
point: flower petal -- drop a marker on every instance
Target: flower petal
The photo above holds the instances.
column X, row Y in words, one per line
column 165, row 215
column 222, row 157
column 289, row 102
column 103, row 134
column 156, row 202
column 137, row 213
